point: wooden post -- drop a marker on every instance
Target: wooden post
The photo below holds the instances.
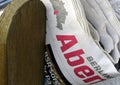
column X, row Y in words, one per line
column 22, row 43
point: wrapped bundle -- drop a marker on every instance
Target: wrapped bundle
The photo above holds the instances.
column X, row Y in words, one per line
column 79, row 52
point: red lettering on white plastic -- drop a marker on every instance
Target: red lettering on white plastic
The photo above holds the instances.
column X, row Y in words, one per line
column 81, row 70
column 63, row 38
column 94, row 78
column 77, row 53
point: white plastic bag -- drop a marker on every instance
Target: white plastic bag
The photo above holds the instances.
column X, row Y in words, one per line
column 73, row 55
column 116, row 6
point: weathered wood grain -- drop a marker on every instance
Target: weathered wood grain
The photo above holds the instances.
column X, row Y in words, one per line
column 22, row 39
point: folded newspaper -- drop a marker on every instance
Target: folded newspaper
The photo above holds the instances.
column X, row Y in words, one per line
column 82, row 42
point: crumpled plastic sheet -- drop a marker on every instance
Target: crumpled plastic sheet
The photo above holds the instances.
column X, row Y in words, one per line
column 116, row 6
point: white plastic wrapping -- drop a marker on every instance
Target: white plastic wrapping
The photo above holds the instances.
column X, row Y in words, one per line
column 74, row 54
column 116, row 6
